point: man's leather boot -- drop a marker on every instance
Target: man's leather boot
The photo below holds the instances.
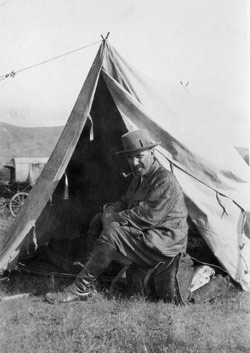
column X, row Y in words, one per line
column 83, row 286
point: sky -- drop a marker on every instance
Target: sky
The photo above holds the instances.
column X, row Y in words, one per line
column 203, row 42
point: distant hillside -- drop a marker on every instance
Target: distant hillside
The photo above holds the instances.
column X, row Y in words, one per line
column 16, row 141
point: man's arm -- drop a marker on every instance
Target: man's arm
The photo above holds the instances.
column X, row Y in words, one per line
column 108, row 215
column 110, row 209
column 150, row 212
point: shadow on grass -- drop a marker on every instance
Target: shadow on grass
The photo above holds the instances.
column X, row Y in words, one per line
column 36, row 285
column 39, row 285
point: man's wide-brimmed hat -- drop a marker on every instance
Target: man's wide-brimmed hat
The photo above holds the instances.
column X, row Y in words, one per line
column 137, row 141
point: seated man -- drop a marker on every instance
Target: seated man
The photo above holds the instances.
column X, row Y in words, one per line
column 148, row 225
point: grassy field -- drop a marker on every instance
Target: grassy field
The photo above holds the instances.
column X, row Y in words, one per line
column 117, row 323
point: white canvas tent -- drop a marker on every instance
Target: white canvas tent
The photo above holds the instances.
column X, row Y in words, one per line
column 116, row 98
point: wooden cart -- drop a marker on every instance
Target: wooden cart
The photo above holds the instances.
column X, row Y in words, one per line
column 24, row 173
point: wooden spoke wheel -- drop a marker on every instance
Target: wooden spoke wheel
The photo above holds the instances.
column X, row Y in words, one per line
column 17, row 201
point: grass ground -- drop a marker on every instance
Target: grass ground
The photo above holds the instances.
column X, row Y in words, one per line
column 117, row 323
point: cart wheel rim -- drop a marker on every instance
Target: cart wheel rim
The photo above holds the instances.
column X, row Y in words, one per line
column 17, row 201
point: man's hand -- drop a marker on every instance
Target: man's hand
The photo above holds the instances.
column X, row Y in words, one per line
column 108, row 215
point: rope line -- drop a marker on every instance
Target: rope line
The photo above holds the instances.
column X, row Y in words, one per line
column 175, row 164
column 13, row 73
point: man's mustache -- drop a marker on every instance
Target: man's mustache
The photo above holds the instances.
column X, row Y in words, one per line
column 134, row 170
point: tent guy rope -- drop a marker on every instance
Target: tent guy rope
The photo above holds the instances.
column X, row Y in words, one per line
column 13, row 73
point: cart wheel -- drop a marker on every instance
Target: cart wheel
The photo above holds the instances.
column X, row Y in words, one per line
column 17, row 201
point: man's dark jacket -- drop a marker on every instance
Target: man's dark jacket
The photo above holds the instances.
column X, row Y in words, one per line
column 156, row 207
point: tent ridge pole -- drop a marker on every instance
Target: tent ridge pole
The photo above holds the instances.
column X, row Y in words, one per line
column 107, row 35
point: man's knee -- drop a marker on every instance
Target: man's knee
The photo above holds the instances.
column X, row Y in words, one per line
column 110, row 233
column 97, row 218
column 95, row 226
